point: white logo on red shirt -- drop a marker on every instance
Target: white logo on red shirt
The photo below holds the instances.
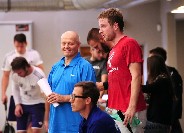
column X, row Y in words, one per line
column 110, row 64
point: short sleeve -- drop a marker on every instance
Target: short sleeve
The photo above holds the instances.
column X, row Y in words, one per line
column 133, row 52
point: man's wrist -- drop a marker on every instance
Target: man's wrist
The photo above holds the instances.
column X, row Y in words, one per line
column 105, row 85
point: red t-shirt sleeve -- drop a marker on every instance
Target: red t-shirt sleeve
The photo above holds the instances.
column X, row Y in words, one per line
column 133, row 51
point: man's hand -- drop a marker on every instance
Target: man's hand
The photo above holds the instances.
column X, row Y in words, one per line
column 129, row 114
column 100, row 86
column 4, row 98
column 55, row 98
column 100, row 100
column 18, row 110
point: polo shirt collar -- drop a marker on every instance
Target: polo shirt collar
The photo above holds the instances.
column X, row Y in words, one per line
column 73, row 61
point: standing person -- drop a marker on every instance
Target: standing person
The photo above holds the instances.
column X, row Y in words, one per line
column 71, row 69
column 96, row 41
column 84, row 99
column 178, row 89
column 29, row 103
column 32, row 56
column 159, row 85
column 99, row 65
column 124, row 71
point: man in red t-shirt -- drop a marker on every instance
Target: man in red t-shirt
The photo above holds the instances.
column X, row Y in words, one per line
column 124, row 70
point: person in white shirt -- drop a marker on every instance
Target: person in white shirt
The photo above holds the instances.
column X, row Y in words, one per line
column 32, row 56
column 29, row 102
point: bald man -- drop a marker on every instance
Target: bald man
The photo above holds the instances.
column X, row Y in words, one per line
column 68, row 71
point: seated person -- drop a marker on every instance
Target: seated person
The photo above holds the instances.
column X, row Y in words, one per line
column 83, row 100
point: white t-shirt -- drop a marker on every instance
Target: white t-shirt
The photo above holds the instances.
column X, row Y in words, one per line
column 26, row 90
column 32, row 56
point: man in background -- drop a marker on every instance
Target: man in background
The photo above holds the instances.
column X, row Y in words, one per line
column 96, row 41
column 178, row 89
column 99, row 64
column 32, row 56
column 29, row 101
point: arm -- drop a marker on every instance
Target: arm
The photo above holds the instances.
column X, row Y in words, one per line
column 103, row 79
column 135, row 70
column 16, row 96
column 18, row 110
column 4, row 85
column 155, row 86
column 46, row 117
column 54, row 97
column 41, row 67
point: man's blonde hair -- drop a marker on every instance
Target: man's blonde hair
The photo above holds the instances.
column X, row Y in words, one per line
column 114, row 15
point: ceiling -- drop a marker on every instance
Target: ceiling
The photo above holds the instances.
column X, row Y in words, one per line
column 48, row 5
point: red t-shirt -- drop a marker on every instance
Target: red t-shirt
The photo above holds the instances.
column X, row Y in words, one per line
column 126, row 51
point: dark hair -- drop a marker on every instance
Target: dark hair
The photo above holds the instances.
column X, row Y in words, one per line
column 20, row 38
column 159, row 51
column 94, row 34
column 113, row 15
column 156, row 66
column 19, row 63
column 89, row 90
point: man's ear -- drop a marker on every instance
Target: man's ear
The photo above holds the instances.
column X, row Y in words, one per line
column 88, row 100
column 115, row 26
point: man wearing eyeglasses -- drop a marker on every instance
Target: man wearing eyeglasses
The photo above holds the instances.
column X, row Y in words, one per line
column 83, row 100
column 68, row 71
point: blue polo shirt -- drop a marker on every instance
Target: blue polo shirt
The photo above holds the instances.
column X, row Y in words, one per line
column 98, row 122
column 62, row 80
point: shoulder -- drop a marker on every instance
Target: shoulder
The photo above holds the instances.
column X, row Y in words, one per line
column 172, row 71
column 15, row 77
column 103, row 61
column 56, row 64
column 129, row 40
column 10, row 54
column 87, row 58
column 84, row 62
column 38, row 72
column 101, row 116
column 128, row 43
column 163, row 79
column 32, row 51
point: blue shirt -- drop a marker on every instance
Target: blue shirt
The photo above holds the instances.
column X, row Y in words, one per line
column 62, row 80
column 98, row 122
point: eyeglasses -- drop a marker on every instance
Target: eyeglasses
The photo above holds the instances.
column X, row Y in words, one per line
column 73, row 96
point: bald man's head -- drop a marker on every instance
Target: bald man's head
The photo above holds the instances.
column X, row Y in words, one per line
column 72, row 35
column 70, row 44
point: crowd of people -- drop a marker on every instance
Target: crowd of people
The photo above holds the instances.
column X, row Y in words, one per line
column 78, row 85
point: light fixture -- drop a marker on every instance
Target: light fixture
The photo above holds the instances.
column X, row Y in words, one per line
column 178, row 10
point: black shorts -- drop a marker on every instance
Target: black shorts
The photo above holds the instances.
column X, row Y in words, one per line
column 11, row 112
column 31, row 113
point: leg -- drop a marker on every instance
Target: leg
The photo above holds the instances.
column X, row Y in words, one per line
column 35, row 130
column 22, row 121
column 122, row 128
column 21, row 132
column 11, row 114
column 37, row 117
column 142, row 117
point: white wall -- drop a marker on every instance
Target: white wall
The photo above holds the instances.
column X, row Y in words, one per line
column 48, row 27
